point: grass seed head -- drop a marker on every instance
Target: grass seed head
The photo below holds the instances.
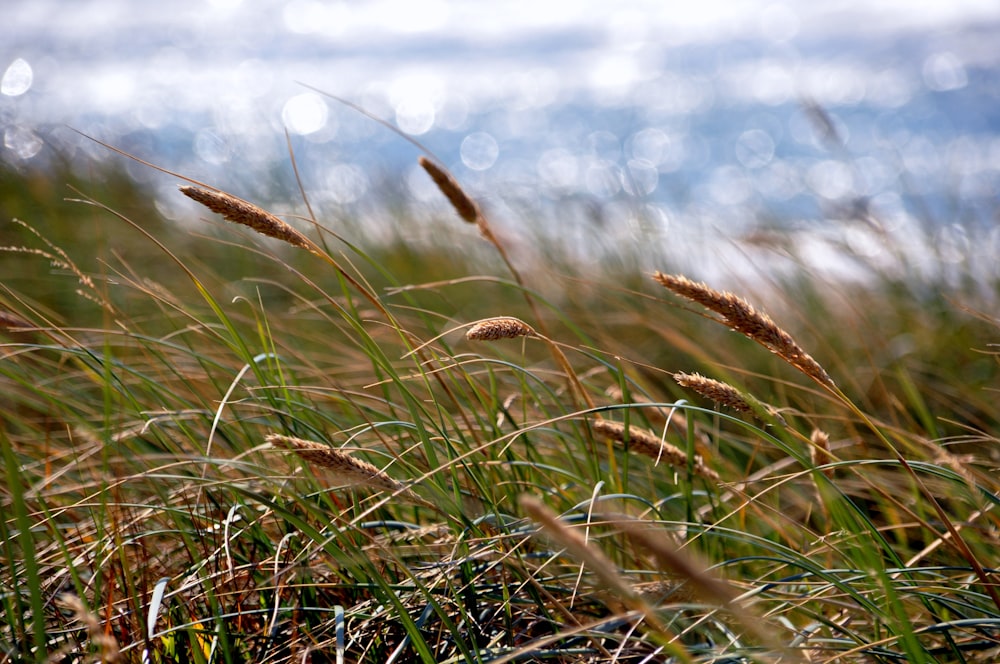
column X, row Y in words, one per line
column 721, row 393
column 650, row 445
column 349, row 469
column 104, row 642
column 726, row 395
column 247, row 214
column 462, row 202
column 502, row 327
column 739, row 315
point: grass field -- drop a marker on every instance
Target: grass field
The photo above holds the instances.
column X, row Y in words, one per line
column 220, row 446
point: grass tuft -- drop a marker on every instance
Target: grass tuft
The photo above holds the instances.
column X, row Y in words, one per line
column 151, row 399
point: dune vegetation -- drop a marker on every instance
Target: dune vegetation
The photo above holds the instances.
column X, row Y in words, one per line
column 267, row 440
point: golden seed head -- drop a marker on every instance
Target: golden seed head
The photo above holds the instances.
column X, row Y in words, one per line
column 247, row 214
column 502, row 327
column 721, row 393
column 349, row 469
column 739, row 315
column 650, row 445
column 462, row 202
column 726, row 395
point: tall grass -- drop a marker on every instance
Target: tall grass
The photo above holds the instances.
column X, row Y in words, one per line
column 356, row 453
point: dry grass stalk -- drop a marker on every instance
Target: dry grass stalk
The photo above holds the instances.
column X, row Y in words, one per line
column 739, row 315
column 648, row 444
column 462, row 202
column 702, row 583
column 576, row 545
column 61, row 260
column 593, row 558
column 106, row 644
column 501, row 327
column 247, row 214
column 344, row 466
column 820, row 450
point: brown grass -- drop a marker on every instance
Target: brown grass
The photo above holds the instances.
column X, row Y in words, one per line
column 501, row 327
column 648, row 444
column 462, row 202
column 726, row 395
column 348, row 469
column 820, row 450
column 247, row 214
column 739, row 315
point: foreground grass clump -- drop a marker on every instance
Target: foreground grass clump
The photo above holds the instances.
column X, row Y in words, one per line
column 336, row 459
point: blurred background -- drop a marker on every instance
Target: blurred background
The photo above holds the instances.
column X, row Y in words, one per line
column 657, row 122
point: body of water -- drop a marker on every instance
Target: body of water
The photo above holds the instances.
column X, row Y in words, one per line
column 647, row 117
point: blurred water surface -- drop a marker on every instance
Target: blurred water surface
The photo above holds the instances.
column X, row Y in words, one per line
column 653, row 120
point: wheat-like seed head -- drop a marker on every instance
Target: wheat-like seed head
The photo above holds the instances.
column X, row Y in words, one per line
column 703, row 583
column 739, row 315
column 721, row 393
column 725, row 394
column 501, row 327
column 349, row 469
column 247, row 214
column 650, row 445
column 461, row 201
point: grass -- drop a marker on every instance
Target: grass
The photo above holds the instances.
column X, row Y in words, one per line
column 226, row 447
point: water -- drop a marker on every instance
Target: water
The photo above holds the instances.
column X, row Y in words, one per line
column 648, row 121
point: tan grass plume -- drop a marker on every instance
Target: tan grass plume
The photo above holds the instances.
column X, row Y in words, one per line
column 247, row 214
column 105, row 644
column 703, row 584
column 725, row 394
column 592, row 557
column 501, row 327
column 739, row 315
column 648, row 444
column 461, row 201
column 347, row 468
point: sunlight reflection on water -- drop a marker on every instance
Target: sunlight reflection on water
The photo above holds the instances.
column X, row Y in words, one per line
column 714, row 115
